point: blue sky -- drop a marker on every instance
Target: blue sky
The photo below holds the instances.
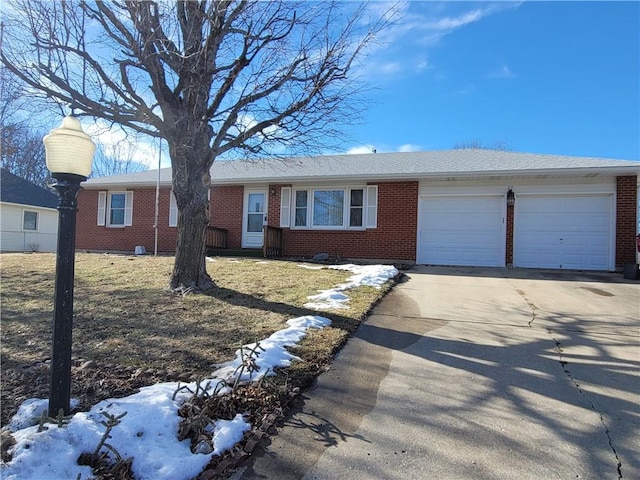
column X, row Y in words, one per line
column 542, row 77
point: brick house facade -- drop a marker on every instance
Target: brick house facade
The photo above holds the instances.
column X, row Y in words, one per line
column 394, row 237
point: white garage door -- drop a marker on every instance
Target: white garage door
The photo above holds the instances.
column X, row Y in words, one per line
column 465, row 230
column 566, row 232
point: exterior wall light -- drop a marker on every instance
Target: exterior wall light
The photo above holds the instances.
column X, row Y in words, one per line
column 69, row 154
column 511, row 198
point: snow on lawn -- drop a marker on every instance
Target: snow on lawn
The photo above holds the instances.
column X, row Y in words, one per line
column 148, row 432
column 369, row 275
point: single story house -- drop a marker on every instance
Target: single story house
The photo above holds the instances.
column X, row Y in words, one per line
column 28, row 216
column 470, row 207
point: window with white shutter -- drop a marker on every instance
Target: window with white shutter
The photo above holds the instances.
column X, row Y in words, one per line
column 173, row 211
column 372, row 206
column 285, row 207
column 102, row 208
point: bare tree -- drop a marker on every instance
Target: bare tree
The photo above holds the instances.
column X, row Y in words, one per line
column 22, row 153
column 208, row 76
column 118, row 160
column 21, row 148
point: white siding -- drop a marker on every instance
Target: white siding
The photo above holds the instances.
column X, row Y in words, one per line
column 14, row 239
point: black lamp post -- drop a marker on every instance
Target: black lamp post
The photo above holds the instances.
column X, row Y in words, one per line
column 69, row 153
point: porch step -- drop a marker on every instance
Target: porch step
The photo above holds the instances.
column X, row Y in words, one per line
column 234, row 252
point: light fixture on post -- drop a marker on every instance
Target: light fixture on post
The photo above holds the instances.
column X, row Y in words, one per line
column 69, row 153
column 511, row 198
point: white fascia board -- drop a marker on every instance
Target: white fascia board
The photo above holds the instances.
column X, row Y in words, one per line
column 32, row 207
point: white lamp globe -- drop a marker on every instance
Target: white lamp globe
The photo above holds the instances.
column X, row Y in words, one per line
column 69, row 149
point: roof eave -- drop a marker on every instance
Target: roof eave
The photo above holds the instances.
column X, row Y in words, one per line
column 123, row 185
column 568, row 172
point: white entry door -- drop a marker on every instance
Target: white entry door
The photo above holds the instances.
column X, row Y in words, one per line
column 255, row 208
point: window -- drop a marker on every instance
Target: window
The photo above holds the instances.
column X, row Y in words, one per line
column 29, row 220
column 117, row 203
column 301, row 209
column 355, row 208
column 115, row 209
column 334, row 208
column 328, row 208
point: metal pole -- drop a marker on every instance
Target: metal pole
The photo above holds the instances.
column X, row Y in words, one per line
column 155, row 225
column 68, row 186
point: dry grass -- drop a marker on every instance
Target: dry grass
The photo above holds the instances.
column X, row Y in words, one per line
column 125, row 316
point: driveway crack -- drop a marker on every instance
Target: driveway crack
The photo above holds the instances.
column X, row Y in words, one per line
column 532, row 306
column 563, row 364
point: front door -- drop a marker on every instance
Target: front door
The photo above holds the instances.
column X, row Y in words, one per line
column 255, row 209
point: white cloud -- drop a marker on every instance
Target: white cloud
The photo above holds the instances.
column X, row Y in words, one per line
column 416, row 27
column 503, row 72
column 409, row 147
column 389, row 68
column 361, row 149
column 448, row 24
column 120, row 145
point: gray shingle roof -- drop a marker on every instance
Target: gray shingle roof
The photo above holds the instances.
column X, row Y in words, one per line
column 14, row 189
column 459, row 163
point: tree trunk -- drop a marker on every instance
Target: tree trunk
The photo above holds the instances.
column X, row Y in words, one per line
column 191, row 183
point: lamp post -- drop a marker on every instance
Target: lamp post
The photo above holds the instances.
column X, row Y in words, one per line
column 69, row 153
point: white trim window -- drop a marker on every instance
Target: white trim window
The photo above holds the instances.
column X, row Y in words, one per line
column 30, row 220
column 115, row 209
column 328, row 208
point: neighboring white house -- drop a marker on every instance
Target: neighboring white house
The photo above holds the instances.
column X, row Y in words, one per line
column 28, row 216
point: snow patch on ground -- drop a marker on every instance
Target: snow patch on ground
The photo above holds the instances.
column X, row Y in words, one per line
column 364, row 275
column 274, row 354
column 148, row 431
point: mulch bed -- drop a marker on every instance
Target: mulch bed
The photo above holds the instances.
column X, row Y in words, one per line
column 264, row 404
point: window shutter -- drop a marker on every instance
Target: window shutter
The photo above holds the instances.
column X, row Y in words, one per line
column 285, row 207
column 173, row 211
column 128, row 209
column 102, row 208
column 372, row 206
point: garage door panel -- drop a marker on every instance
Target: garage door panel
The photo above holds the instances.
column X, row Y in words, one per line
column 461, row 231
column 566, row 232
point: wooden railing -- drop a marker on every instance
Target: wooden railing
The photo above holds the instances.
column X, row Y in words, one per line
column 272, row 245
column 217, row 237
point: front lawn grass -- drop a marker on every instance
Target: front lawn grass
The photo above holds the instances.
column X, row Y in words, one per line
column 125, row 318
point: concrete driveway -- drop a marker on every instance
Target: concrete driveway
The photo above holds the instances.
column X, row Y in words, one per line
column 471, row 373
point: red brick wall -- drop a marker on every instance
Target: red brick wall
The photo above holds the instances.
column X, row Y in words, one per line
column 226, row 211
column 509, row 249
column 90, row 236
column 626, row 218
column 394, row 238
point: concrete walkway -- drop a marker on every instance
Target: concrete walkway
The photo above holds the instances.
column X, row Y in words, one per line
column 470, row 373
